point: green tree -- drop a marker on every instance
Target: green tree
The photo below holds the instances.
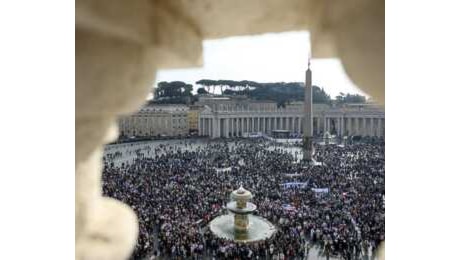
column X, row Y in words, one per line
column 173, row 92
column 201, row 91
column 350, row 98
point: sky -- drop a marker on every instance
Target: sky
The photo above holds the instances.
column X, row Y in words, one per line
column 274, row 57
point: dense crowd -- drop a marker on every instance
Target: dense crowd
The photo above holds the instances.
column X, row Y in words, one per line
column 176, row 191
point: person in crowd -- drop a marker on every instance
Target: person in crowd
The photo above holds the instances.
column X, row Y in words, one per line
column 176, row 190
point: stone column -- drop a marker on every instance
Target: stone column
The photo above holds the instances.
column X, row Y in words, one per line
column 308, row 115
column 365, row 126
column 205, row 122
column 372, row 132
column 228, row 123
column 265, row 124
column 230, row 133
column 298, row 125
column 249, row 124
column 315, row 125
column 261, row 124
column 209, row 127
column 379, row 127
column 324, row 124
column 383, row 126
column 339, row 126
column 352, row 126
column 233, row 126
column 358, row 126
column 269, row 124
column 112, row 77
column 240, row 126
column 204, row 126
column 237, row 126
column 349, row 128
column 218, row 127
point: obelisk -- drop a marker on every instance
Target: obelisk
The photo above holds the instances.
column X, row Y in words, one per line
column 308, row 121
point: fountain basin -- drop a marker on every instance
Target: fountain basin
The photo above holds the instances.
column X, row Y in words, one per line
column 258, row 229
column 233, row 207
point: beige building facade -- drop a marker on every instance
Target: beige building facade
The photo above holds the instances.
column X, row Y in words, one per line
column 193, row 117
column 231, row 117
column 156, row 120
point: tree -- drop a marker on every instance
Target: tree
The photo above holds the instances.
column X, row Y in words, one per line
column 207, row 83
column 175, row 92
column 201, row 91
column 280, row 92
column 350, row 98
column 320, row 96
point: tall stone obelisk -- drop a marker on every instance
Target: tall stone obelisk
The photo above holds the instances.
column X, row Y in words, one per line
column 308, row 121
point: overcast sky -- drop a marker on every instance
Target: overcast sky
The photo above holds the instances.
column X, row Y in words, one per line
column 264, row 58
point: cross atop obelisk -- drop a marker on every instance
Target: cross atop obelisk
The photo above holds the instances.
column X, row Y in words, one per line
column 308, row 119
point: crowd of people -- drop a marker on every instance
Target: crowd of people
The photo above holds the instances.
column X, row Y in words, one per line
column 176, row 190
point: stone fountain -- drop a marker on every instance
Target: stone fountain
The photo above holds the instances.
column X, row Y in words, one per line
column 239, row 224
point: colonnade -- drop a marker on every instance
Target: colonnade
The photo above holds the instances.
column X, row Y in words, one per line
column 231, row 126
